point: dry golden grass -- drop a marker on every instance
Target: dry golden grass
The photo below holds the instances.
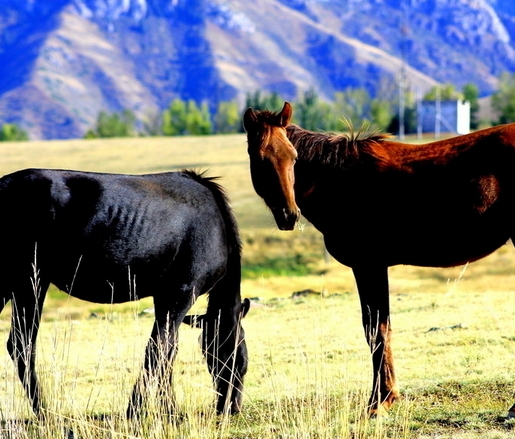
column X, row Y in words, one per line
column 309, row 377
column 222, row 155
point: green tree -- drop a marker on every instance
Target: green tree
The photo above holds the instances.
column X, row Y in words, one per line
column 174, row 118
column 227, row 118
column 114, row 125
column 353, row 104
column 503, row 100
column 471, row 94
column 410, row 121
column 182, row 118
column 259, row 101
column 10, row 132
column 445, row 92
column 313, row 114
column 152, row 123
column 381, row 113
column 198, row 119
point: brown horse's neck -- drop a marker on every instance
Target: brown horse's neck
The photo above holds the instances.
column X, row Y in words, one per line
column 337, row 150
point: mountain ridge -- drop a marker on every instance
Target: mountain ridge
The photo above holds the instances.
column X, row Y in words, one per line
column 63, row 61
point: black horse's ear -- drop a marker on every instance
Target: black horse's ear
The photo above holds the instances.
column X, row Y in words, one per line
column 195, row 321
column 285, row 115
column 245, row 306
column 249, row 119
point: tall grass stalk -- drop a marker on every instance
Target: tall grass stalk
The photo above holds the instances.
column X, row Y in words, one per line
column 87, row 369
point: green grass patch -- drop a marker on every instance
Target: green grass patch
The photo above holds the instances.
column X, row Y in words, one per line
column 464, row 406
column 269, row 255
column 291, row 265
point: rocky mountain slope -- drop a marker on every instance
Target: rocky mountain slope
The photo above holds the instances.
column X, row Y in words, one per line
column 63, row 61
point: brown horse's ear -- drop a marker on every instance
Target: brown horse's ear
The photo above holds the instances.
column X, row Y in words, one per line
column 245, row 306
column 195, row 321
column 285, row 115
column 249, row 119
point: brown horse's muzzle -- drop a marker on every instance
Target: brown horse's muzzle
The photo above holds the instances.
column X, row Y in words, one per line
column 285, row 218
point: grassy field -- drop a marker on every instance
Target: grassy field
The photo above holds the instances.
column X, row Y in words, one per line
column 309, row 376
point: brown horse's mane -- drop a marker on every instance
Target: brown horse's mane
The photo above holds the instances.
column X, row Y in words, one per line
column 339, row 150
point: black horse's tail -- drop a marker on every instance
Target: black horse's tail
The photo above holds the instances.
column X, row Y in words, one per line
column 227, row 292
column 223, row 338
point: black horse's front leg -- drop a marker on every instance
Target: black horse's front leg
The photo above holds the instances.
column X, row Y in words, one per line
column 372, row 283
column 170, row 306
column 157, row 368
column 21, row 344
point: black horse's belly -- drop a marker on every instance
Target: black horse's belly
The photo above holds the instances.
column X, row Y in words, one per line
column 112, row 238
column 94, row 280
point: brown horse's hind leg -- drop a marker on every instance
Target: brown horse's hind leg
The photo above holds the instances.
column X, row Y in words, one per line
column 21, row 344
column 372, row 285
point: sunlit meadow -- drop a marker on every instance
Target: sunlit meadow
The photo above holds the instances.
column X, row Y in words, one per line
column 310, row 374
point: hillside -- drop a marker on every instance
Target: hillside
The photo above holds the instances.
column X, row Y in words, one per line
column 62, row 61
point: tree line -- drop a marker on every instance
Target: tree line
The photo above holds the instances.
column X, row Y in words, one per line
column 10, row 132
column 353, row 106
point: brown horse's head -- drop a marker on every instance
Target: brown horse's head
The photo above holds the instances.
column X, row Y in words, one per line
column 272, row 157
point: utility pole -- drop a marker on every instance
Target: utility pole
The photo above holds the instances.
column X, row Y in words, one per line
column 438, row 113
column 402, row 79
column 402, row 103
column 419, row 114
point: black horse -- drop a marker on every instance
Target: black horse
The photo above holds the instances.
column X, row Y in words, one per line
column 110, row 238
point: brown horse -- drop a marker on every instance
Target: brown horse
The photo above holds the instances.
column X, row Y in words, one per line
column 380, row 203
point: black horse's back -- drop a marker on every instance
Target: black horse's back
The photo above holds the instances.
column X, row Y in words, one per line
column 91, row 229
column 111, row 238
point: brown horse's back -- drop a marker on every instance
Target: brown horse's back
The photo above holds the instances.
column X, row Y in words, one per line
column 491, row 146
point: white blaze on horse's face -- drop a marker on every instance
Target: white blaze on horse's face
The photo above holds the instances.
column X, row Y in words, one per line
column 272, row 160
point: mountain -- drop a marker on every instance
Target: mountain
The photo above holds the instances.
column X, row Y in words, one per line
column 63, row 61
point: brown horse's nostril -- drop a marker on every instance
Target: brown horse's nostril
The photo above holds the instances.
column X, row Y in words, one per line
column 285, row 218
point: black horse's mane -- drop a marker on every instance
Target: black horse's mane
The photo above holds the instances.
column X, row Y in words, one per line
column 222, row 200
column 338, row 150
column 231, row 281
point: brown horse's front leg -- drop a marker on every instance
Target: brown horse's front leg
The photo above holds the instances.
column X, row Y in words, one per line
column 372, row 282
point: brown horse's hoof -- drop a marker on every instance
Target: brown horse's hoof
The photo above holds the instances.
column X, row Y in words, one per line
column 381, row 410
column 378, row 412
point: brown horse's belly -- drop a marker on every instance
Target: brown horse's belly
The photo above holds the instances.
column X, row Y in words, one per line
column 446, row 253
column 420, row 249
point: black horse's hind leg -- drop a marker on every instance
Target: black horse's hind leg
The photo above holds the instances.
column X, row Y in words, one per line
column 223, row 345
column 373, row 291
column 4, row 300
column 21, row 344
column 161, row 350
